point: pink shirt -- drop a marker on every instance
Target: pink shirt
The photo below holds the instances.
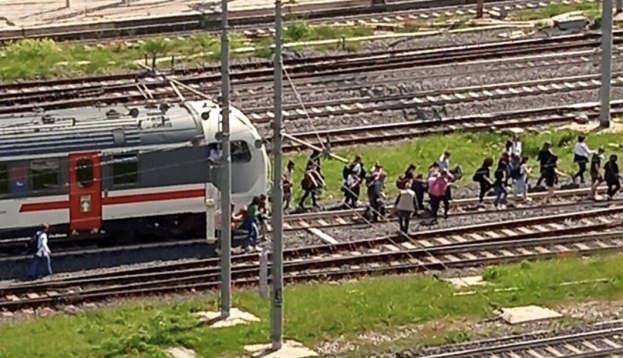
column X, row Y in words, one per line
column 439, row 186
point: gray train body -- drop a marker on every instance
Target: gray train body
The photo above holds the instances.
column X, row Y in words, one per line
column 121, row 168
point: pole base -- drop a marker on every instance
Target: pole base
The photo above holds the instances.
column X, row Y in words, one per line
column 236, row 317
column 604, row 124
column 289, row 349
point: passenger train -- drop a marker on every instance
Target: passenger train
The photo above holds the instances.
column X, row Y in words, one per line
column 121, row 169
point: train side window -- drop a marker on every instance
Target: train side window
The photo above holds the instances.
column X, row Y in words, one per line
column 240, row 152
column 125, row 170
column 4, row 179
column 44, row 174
column 84, row 172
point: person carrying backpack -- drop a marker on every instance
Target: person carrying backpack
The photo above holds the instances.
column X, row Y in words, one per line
column 42, row 253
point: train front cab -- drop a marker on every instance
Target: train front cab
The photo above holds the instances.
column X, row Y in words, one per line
column 85, row 192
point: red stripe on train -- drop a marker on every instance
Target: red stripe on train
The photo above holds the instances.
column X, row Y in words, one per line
column 118, row 200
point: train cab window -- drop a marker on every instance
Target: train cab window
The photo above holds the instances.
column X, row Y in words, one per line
column 240, row 152
column 125, row 170
column 44, row 174
column 4, row 179
column 84, row 172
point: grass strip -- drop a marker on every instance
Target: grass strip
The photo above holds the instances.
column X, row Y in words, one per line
column 44, row 59
column 468, row 150
column 314, row 313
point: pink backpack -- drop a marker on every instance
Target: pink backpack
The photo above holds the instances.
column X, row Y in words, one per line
column 438, row 187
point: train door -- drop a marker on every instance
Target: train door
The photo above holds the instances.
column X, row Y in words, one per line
column 85, row 191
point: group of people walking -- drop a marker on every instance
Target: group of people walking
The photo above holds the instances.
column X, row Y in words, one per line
column 510, row 172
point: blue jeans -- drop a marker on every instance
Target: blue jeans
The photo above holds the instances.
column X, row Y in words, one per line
column 33, row 271
column 521, row 187
column 500, row 194
column 251, row 226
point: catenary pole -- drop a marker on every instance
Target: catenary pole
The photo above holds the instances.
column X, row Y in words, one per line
column 225, row 172
column 606, row 64
column 277, row 194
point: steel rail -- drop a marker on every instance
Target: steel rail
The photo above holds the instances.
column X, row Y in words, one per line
column 67, row 245
column 582, row 344
column 258, row 22
column 391, row 132
column 460, row 95
column 342, row 62
column 487, row 232
column 457, row 256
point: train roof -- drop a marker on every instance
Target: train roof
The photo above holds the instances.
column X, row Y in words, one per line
column 98, row 128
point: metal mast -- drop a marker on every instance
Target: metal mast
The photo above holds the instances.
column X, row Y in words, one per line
column 277, row 193
column 225, row 172
column 606, row 64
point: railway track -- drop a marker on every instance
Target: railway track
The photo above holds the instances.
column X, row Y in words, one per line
column 256, row 23
column 498, row 91
column 122, row 88
column 532, row 118
column 309, row 222
column 542, row 237
column 342, row 83
column 604, row 342
column 460, row 207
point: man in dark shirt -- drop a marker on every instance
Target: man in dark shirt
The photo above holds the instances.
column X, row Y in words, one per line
column 375, row 195
column 612, row 175
column 544, row 154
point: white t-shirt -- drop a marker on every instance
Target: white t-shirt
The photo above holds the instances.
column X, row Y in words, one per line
column 42, row 245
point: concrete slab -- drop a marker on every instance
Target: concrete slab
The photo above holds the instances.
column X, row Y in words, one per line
column 462, row 282
column 235, row 318
column 181, row 352
column 289, row 349
column 323, row 236
column 19, row 13
column 525, row 314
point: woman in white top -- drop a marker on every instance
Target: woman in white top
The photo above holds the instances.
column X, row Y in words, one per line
column 516, row 145
column 581, row 156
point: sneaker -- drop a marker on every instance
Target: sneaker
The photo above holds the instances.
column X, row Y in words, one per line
column 527, row 199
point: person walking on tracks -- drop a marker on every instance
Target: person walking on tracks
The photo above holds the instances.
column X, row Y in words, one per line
column 438, row 191
column 551, row 174
column 544, row 154
column 596, row 177
column 405, row 206
column 612, row 176
column 42, row 253
column 582, row 152
column 483, row 178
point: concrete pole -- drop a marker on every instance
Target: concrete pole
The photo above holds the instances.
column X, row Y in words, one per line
column 225, row 174
column 480, row 9
column 606, row 64
column 277, row 194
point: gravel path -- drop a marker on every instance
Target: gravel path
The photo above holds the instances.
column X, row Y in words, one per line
column 408, row 82
column 431, row 78
column 419, row 43
column 452, row 110
column 71, row 265
column 377, row 230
